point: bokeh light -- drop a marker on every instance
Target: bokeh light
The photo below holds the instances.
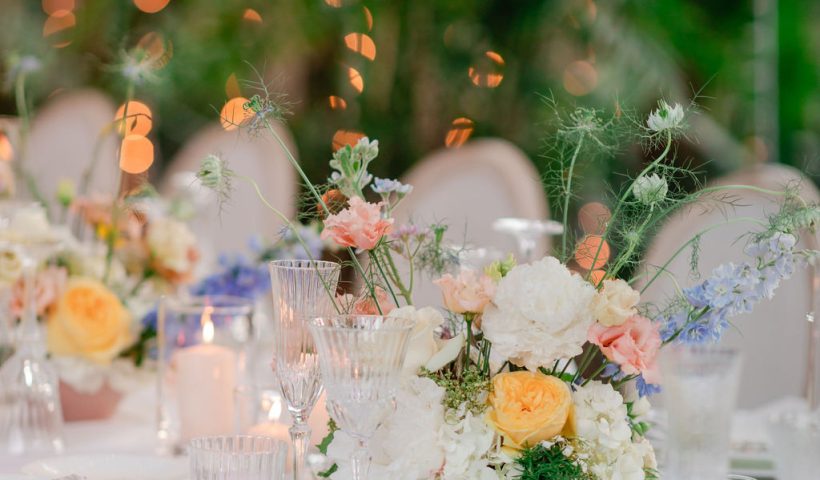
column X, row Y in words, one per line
column 252, row 15
column 6, row 150
column 588, row 248
column 58, row 27
column 593, row 218
column 460, row 131
column 355, row 79
column 233, row 113
column 337, row 103
column 334, row 3
column 53, row 6
column 136, row 154
column 151, row 6
column 346, row 137
column 361, row 44
column 232, row 88
column 580, row 78
column 368, row 18
column 596, row 277
column 139, row 119
column 488, row 71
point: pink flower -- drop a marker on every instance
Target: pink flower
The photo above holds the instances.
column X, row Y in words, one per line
column 634, row 345
column 365, row 305
column 360, row 225
column 466, row 293
column 48, row 286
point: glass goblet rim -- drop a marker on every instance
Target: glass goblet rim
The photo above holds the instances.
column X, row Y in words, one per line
column 221, row 305
column 397, row 324
column 301, row 265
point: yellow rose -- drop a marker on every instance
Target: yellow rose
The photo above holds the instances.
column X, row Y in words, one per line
column 89, row 321
column 527, row 408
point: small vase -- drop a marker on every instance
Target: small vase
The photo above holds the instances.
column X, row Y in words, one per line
column 79, row 406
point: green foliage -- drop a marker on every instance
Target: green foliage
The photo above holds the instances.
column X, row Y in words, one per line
column 470, row 389
column 550, row 463
column 322, row 447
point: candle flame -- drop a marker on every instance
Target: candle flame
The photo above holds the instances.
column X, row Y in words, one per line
column 207, row 325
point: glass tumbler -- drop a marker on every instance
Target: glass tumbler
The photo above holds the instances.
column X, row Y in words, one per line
column 700, row 388
column 237, row 458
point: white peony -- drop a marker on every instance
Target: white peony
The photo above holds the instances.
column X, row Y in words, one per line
column 615, row 303
column 665, row 117
column 171, row 244
column 466, row 443
column 541, row 313
column 425, row 348
column 406, row 446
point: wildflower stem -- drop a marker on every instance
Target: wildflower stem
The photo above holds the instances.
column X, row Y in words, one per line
column 375, row 257
column 468, row 319
column 595, row 373
column 321, row 201
column 284, row 218
column 404, row 291
column 568, row 196
column 25, row 127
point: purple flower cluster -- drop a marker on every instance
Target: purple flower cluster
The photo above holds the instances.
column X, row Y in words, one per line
column 238, row 277
column 731, row 290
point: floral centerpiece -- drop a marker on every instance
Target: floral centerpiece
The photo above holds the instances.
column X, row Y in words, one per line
column 539, row 370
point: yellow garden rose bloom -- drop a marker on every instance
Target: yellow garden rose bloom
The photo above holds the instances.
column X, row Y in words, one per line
column 89, row 321
column 527, row 408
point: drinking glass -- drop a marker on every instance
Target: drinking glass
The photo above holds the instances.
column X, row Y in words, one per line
column 527, row 232
column 301, row 288
column 361, row 358
column 237, row 458
column 795, row 439
column 700, row 388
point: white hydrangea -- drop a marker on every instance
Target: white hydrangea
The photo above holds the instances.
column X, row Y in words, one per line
column 602, row 424
column 665, row 117
column 541, row 313
column 406, row 446
column 467, row 442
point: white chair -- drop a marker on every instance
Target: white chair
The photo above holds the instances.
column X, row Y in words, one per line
column 244, row 215
column 774, row 338
column 65, row 134
column 468, row 188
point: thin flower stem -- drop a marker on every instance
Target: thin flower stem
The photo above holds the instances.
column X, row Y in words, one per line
column 568, row 196
column 375, row 257
column 321, row 201
column 405, row 292
column 595, row 373
column 295, row 231
column 25, row 127
column 468, row 319
column 585, row 360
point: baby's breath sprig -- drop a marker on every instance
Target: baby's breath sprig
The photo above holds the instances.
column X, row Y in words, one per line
column 469, row 391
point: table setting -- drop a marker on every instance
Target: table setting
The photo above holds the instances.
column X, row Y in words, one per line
column 132, row 347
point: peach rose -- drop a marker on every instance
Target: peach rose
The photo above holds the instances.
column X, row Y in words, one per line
column 48, row 285
column 466, row 293
column 633, row 345
column 89, row 321
column 615, row 303
column 528, row 407
column 360, row 225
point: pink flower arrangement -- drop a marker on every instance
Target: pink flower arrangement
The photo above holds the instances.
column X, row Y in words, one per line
column 48, row 286
column 633, row 345
column 360, row 225
column 466, row 293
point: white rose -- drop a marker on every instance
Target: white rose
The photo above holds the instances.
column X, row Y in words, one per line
column 615, row 303
column 641, row 407
column 171, row 244
column 541, row 313
column 425, row 348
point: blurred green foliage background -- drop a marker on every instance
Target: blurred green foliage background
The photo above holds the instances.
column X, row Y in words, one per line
column 755, row 62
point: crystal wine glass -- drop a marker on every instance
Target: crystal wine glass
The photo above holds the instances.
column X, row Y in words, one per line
column 361, row 358
column 301, row 289
column 527, row 232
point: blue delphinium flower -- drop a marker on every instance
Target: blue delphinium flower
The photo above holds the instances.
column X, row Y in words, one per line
column 386, row 186
column 646, row 389
column 731, row 290
column 238, row 277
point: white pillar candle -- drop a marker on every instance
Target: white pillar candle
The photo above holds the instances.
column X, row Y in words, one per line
column 206, row 381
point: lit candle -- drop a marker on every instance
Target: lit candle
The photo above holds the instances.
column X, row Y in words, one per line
column 206, row 380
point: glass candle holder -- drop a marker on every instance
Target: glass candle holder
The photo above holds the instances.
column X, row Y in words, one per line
column 202, row 345
column 237, row 458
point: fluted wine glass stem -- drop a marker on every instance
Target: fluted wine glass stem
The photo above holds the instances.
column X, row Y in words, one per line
column 360, row 461
column 300, row 439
